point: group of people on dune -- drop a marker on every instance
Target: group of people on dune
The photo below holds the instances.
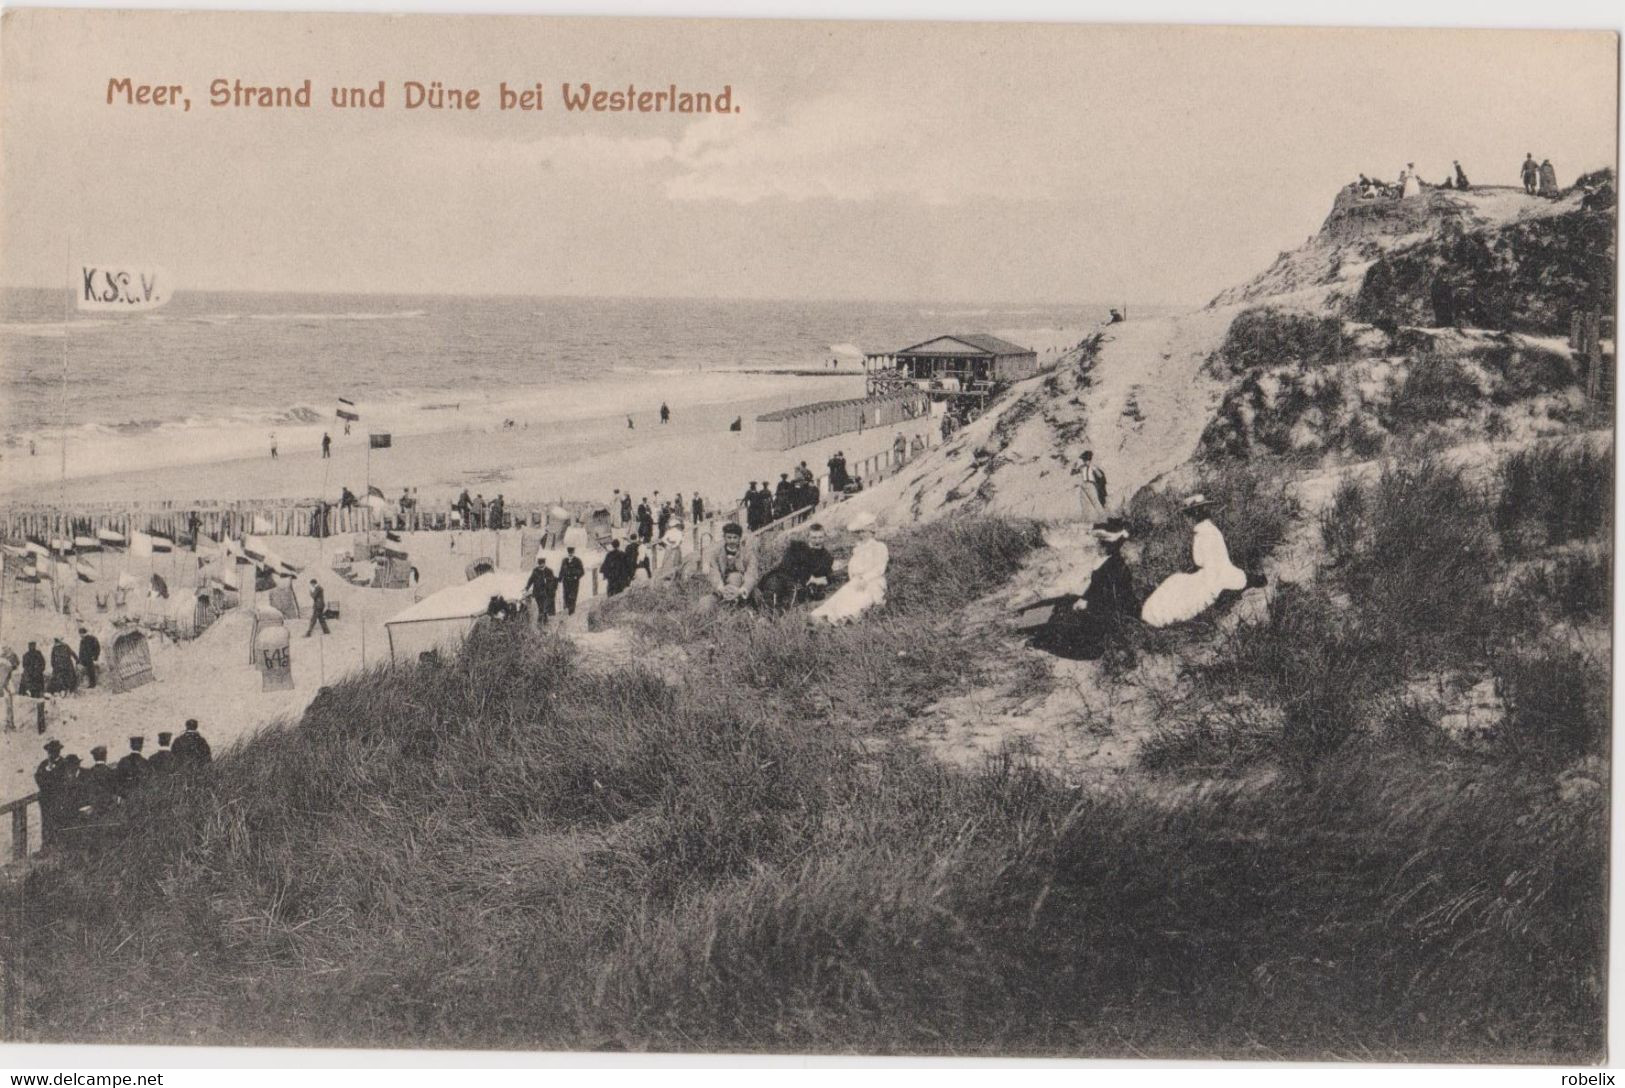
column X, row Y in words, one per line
column 1084, row 626
column 807, row 572
column 1080, row 626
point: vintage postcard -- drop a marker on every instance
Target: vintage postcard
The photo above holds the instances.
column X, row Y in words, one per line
column 627, row 534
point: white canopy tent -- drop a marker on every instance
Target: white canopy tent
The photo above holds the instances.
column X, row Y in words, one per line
column 443, row 619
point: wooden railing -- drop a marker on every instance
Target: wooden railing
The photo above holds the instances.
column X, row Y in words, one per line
column 19, row 825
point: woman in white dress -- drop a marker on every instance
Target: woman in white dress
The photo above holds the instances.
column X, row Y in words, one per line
column 866, row 576
column 1409, row 183
column 1185, row 596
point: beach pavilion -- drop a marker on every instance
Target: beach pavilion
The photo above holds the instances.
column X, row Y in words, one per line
column 964, row 363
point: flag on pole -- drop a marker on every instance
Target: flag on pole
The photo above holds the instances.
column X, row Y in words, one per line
column 106, row 288
column 346, row 411
column 378, row 441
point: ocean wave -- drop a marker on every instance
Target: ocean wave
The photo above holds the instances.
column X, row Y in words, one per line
column 383, row 315
column 49, row 328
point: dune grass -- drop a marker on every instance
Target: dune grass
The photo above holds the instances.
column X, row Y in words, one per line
column 1416, row 581
column 517, row 848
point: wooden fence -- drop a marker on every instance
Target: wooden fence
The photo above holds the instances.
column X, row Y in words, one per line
column 20, row 848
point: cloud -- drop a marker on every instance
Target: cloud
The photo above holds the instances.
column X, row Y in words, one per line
column 843, row 149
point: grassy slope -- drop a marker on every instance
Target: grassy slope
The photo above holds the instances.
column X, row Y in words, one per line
column 517, row 849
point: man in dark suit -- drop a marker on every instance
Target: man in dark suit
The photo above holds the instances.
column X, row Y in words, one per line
column 571, row 571
column 133, row 769
column 90, row 652
column 318, row 609
column 190, row 749
column 542, row 586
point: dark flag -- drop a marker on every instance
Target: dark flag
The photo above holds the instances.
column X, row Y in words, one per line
column 378, row 441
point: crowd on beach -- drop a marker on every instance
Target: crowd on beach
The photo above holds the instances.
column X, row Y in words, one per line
column 75, row 799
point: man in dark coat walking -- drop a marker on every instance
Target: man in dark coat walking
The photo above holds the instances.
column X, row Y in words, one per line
column 190, row 749
column 318, row 608
column 571, row 571
column 646, row 522
column 33, row 682
column 90, row 652
column 64, row 668
column 616, row 569
column 542, row 586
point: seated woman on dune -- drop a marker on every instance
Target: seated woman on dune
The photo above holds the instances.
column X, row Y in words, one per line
column 1186, row 595
column 866, row 576
column 1084, row 628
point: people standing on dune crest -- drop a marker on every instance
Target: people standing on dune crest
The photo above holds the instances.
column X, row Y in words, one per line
column 273, row 445
column 1409, row 183
column 1530, row 173
column 1548, row 179
column 327, row 445
column 665, row 413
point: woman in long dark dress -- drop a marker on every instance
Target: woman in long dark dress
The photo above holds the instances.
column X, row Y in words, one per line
column 1083, row 628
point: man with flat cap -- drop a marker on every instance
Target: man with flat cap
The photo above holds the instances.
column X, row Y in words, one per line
column 733, row 571
column 190, row 749
column 133, row 769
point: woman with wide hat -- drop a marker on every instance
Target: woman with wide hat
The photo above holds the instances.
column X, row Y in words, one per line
column 1187, row 595
column 1084, row 628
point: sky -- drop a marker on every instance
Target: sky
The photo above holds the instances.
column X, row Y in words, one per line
column 887, row 161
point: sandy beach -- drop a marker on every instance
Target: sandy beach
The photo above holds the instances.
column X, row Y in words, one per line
column 211, row 678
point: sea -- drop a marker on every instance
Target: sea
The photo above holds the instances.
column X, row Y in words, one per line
column 212, row 375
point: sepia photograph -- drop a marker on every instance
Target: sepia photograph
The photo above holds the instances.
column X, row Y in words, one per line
column 678, row 536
